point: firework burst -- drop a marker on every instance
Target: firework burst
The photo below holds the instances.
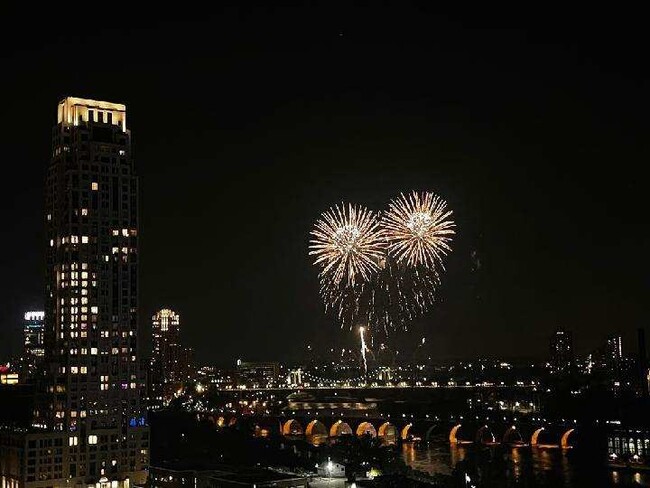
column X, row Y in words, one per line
column 418, row 229
column 395, row 295
column 382, row 271
column 348, row 245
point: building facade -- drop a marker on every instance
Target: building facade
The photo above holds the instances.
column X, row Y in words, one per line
column 91, row 406
column 34, row 334
column 614, row 355
column 172, row 364
column 33, row 343
column 561, row 350
column 256, row 374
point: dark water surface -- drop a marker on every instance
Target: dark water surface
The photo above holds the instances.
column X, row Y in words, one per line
column 505, row 467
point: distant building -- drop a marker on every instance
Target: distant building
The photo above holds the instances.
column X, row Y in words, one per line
column 34, row 343
column 172, row 364
column 34, row 334
column 628, row 445
column 614, row 355
column 257, row 373
column 561, row 349
column 220, row 378
column 330, row 469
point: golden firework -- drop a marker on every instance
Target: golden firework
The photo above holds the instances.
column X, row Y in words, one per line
column 418, row 229
column 348, row 243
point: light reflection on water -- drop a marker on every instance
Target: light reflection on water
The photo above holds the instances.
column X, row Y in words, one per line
column 536, row 467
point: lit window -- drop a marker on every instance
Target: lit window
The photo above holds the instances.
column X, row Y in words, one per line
column 122, row 152
column 125, row 232
column 93, row 351
column 51, row 242
column 49, row 217
column 116, row 232
column 74, row 239
column 84, row 370
column 92, row 439
column 84, row 211
column 74, row 370
column 94, row 186
column 84, row 239
column 73, row 440
column 94, row 310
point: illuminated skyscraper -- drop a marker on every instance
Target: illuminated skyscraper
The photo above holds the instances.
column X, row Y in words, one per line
column 90, row 417
column 614, row 355
column 561, row 349
column 34, row 343
column 34, row 331
column 171, row 362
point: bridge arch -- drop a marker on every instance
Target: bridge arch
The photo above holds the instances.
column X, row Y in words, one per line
column 404, row 433
column 292, row 428
column 316, row 432
column 512, row 436
column 453, row 439
column 534, row 439
column 387, row 433
column 340, row 428
column 485, row 436
column 366, row 428
column 564, row 441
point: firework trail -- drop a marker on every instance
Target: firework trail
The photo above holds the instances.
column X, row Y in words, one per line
column 396, row 295
column 363, row 350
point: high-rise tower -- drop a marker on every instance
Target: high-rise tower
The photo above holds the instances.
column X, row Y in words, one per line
column 561, row 349
column 95, row 382
column 171, row 362
column 34, row 345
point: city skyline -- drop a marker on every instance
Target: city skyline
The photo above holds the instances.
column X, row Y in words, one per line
column 522, row 173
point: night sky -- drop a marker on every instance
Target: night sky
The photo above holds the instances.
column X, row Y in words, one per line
column 250, row 121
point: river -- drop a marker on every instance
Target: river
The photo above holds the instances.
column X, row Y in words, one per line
column 505, row 467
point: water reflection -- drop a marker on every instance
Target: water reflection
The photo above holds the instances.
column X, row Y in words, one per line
column 503, row 465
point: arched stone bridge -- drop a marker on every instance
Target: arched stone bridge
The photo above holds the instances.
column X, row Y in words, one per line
column 320, row 429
